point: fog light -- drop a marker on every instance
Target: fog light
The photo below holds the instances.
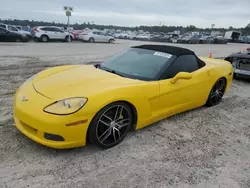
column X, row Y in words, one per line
column 53, row 137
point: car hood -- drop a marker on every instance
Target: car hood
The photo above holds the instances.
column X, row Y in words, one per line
column 243, row 55
column 77, row 81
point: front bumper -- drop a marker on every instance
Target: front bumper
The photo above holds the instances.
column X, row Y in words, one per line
column 32, row 121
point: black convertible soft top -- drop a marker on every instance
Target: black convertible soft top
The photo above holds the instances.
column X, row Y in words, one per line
column 178, row 51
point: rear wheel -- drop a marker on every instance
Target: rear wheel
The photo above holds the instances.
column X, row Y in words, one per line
column 217, row 92
column 44, row 38
column 110, row 125
column 68, row 39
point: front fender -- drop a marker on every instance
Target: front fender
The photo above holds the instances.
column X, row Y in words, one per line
column 144, row 99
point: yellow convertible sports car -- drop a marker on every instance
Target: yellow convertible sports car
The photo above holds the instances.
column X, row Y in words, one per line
column 64, row 106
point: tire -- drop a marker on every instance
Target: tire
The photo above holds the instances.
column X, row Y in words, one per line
column 111, row 40
column 19, row 39
column 67, row 38
column 216, row 93
column 110, row 125
column 189, row 42
column 91, row 40
column 44, row 38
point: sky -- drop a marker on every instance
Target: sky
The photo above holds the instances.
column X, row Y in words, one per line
column 201, row 13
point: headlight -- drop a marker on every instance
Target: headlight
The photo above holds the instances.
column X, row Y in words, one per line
column 66, row 106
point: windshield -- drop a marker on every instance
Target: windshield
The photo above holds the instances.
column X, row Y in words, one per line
column 137, row 63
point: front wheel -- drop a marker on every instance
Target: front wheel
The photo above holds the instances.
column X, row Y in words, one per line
column 18, row 39
column 110, row 125
column 111, row 40
column 91, row 40
column 217, row 92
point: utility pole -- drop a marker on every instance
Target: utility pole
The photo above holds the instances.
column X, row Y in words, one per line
column 68, row 11
column 212, row 26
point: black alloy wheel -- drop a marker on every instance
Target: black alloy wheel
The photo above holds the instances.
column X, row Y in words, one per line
column 217, row 92
column 110, row 125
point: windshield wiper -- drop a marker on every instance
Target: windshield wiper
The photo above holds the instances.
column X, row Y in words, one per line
column 108, row 70
column 114, row 72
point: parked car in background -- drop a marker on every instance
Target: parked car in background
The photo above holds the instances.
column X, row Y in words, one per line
column 76, row 33
column 9, row 36
column 95, row 36
column 244, row 39
column 241, row 63
column 14, row 29
column 173, row 38
column 159, row 38
column 206, row 40
column 189, row 39
column 220, row 40
column 143, row 37
column 47, row 33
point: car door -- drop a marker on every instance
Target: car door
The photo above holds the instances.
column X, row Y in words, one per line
column 13, row 29
column 59, row 34
column 8, row 36
column 97, row 36
column 48, row 31
column 184, row 94
column 53, row 33
column 103, row 37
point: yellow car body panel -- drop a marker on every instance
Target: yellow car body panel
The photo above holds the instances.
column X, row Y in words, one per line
column 152, row 100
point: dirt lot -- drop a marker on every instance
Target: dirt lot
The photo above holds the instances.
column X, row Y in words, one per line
column 206, row 147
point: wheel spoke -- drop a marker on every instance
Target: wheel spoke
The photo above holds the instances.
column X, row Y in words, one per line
column 118, row 112
column 220, row 94
column 107, row 117
column 104, row 123
column 122, row 121
column 122, row 125
column 221, row 86
column 216, row 98
column 118, row 133
column 105, row 135
column 213, row 95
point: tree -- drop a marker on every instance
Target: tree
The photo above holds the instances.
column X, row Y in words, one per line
column 191, row 28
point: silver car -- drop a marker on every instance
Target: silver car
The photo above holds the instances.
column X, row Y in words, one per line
column 95, row 36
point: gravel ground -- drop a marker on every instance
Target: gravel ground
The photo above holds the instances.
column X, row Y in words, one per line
column 205, row 147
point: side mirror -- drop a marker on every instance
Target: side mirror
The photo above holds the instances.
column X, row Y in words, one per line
column 182, row 76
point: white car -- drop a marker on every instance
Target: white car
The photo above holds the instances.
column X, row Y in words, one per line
column 15, row 30
column 95, row 36
column 46, row 33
